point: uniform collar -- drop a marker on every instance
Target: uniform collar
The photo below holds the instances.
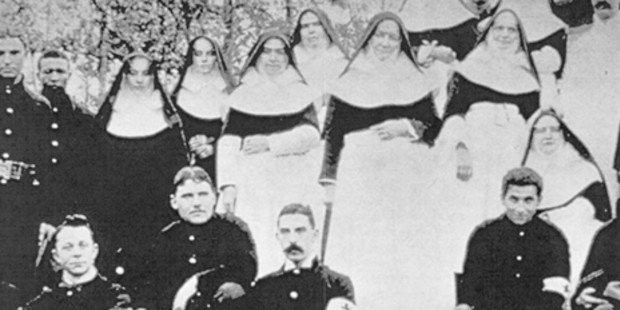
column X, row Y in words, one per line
column 311, row 262
column 11, row 84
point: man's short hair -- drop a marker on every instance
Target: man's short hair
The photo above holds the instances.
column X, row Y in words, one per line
column 73, row 220
column 194, row 173
column 522, row 176
column 52, row 54
column 297, row 208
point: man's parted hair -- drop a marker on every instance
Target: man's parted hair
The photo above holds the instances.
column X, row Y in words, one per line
column 297, row 208
column 522, row 176
column 194, row 173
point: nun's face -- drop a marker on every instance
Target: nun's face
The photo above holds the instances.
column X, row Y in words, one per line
column 312, row 32
column 203, row 57
column 605, row 9
column 504, row 33
column 138, row 77
column 385, row 42
column 548, row 136
column 273, row 59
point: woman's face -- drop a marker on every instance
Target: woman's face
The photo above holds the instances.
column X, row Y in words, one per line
column 312, row 32
column 138, row 77
column 548, row 136
column 385, row 42
column 204, row 56
column 273, row 59
column 504, row 33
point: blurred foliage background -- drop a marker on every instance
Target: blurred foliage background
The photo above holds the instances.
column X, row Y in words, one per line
column 97, row 34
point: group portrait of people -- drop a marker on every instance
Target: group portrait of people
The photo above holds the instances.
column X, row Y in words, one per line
column 463, row 156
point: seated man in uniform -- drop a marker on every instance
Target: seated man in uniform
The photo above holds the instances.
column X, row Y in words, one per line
column 599, row 288
column 517, row 261
column 303, row 282
column 80, row 286
column 204, row 259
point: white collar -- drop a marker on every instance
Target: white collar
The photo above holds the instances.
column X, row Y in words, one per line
column 565, row 172
column 305, row 264
column 506, row 75
column 303, row 55
column 371, row 83
column 259, row 95
column 195, row 82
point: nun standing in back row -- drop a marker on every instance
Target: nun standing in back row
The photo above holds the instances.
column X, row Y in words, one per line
column 200, row 97
column 142, row 149
column 318, row 54
column 268, row 155
column 380, row 124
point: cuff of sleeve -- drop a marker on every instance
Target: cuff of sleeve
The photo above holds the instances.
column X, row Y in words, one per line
column 557, row 285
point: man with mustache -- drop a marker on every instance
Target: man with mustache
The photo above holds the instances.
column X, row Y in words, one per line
column 517, row 261
column 23, row 166
column 202, row 260
column 303, row 282
column 79, row 286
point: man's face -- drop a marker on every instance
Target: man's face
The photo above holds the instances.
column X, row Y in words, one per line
column 521, row 203
column 273, row 60
column 12, row 53
column 386, row 41
column 54, row 72
column 548, row 135
column 606, row 9
column 75, row 250
column 296, row 236
column 194, row 201
column 204, row 56
column 312, row 32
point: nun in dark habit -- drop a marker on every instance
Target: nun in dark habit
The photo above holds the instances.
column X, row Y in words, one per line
column 200, row 97
column 142, row 149
column 268, row 155
column 376, row 170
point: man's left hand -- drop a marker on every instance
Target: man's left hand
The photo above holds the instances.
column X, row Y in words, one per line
column 229, row 290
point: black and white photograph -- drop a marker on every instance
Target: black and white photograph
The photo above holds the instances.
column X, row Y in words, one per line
column 309, row 154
